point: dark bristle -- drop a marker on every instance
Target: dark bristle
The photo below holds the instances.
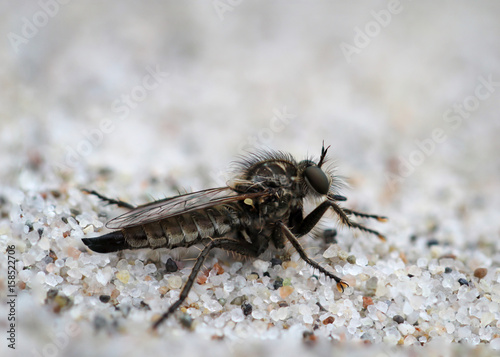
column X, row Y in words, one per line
column 323, row 154
column 245, row 162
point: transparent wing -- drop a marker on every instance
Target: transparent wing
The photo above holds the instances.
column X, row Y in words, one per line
column 173, row 206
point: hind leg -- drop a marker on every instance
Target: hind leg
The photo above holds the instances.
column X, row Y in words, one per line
column 228, row 244
column 110, row 201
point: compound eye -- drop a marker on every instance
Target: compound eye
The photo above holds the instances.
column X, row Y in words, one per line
column 317, row 179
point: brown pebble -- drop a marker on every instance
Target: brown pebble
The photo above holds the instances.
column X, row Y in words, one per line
column 480, row 273
column 52, row 255
column 202, row 279
column 218, row 269
column 328, row 320
column 115, row 293
column 367, row 301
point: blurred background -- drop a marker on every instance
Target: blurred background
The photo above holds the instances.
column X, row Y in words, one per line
column 405, row 92
column 177, row 91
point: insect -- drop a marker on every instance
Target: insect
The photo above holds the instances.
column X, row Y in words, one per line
column 262, row 206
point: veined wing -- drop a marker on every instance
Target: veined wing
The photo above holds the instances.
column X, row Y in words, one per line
column 173, row 206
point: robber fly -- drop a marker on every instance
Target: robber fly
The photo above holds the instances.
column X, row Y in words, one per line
column 263, row 205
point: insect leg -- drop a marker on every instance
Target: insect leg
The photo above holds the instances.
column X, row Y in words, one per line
column 365, row 215
column 337, row 197
column 313, row 218
column 223, row 243
column 344, row 219
column 341, row 285
column 110, row 201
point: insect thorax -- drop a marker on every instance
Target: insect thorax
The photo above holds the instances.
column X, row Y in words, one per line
column 276, row 173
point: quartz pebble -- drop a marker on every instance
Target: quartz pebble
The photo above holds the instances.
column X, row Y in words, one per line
column 332, row 251
column 174, row 282
column 123, row 276
column 285, row 291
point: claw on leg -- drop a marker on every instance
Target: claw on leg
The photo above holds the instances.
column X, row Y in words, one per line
column 341, row 285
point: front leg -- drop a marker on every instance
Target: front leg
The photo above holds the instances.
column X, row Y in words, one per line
column 313, row 218
column 341, row 285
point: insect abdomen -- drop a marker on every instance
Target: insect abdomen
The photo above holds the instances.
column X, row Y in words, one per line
column 178, row 231
column 111, row 242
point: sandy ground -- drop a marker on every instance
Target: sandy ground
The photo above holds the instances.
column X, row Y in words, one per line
column 139, row 101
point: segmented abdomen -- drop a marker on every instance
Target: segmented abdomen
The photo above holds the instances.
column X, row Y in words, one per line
column 183, row 230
